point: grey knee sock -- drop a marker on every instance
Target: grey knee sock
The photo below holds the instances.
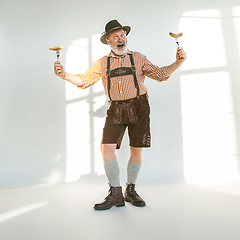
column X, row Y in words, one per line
column 132, row 172
column 113, row 172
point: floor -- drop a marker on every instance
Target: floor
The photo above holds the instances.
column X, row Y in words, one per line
column 174, row 211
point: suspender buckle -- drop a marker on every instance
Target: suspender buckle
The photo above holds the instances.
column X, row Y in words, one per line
column 133, row 68
column 108, row 72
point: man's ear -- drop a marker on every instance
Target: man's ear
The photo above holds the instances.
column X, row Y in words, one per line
column 107, row 41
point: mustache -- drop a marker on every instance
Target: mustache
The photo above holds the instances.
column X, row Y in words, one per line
column 121, row 43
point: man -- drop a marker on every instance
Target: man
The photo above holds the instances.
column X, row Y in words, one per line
column 123, row 73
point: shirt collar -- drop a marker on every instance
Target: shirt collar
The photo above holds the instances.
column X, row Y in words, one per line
column 111, row 54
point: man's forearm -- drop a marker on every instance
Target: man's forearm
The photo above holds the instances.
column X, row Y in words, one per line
column 172, row 68
column 181, row 56
column 73, row 79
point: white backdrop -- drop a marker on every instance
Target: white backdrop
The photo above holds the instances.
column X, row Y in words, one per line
column 43, row 133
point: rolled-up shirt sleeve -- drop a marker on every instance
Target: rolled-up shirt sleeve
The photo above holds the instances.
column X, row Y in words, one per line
column 92, row 75
column 153, row 71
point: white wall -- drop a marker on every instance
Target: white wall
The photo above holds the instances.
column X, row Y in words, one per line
column 32, row 98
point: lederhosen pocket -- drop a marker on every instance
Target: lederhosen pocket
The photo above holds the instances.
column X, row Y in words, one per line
column 117, row 115
column 132, row 114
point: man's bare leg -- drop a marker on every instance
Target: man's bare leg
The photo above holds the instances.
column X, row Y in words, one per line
column 135, row 155
column 108, row 151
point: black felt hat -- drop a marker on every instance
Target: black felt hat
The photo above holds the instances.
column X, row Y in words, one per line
column 111, row 26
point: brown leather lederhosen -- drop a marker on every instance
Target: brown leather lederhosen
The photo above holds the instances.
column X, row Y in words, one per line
column 132, row 113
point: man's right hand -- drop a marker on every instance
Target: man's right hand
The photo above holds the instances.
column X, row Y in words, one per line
column 59, row 70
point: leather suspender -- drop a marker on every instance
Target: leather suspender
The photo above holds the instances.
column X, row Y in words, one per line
column 134, row 73
column 122, row 71
column 108, row 76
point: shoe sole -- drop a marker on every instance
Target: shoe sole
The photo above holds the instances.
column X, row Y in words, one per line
column 117, row 205
column 129, row 200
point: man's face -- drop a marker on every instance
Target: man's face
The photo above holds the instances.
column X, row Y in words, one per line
column 118, row 42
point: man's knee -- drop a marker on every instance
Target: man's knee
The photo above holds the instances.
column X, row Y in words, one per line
column 108, row 151
column 106, row 148
column 136, row 151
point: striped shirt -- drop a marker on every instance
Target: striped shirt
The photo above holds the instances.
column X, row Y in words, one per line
column 123, row 87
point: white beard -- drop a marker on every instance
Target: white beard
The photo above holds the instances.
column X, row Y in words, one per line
column 116, row 51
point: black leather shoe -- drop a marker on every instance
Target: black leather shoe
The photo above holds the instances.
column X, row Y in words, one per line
column 132, row 196
column 114, row 198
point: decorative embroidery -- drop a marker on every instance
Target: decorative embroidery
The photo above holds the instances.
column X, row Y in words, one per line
column 120, row 72
column 132, row 116
column 117, row 115
column 146, row 139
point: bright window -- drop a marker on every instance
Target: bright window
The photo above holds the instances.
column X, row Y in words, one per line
column 208, row 118
column 84, row 111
